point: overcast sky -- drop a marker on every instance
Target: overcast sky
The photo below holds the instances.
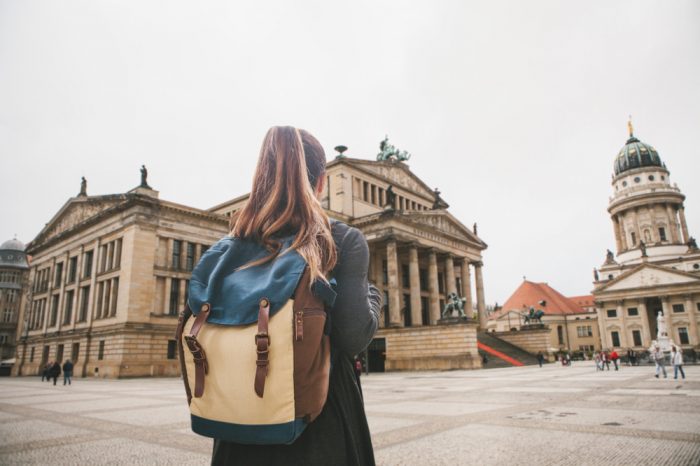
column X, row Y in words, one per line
column 515, row 110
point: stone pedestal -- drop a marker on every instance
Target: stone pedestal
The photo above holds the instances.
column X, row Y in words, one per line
column 532, row 338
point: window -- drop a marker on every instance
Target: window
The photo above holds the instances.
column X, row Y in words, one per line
column 365, row 191
column 31, row 354
column 98, row 303
column 68, row 308
column 441, row 283
column 405, row 276
column 678, row 308
column 87, row 264
column 697, row 305
column 615, row 337
column 560, row 334
column 177, row 250
column 59, row 353
column 115, row 295
column 8, row 315
column 58, row 275
column 374, row 195
column 637, row 337
column 54, row 310
column 423, row 274
column 101, row 351
column 632, row 311
column 683, row 336
column 72, row 269
column 75, row 352
column 612, row 313
column 385, row 273
column 634, row 239
column 189, row 262
column 172, row 346
column 117, row 253
column 174, row 296
column 407, row 319
column 45, row 355
column 584, row 331
column 84, row 295
column 662, row 233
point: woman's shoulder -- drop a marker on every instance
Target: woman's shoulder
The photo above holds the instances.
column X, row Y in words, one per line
column 343, row 232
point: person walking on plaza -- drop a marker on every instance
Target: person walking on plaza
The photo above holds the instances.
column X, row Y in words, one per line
column 45, row 371
column 598, row 362
column 660, row 359
column 540, row 358
column 614, row 357
column 677, row 361
column 55, row 371
column 67, row 371
column 605, row 358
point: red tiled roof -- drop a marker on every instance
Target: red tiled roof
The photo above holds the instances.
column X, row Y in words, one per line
column 583, row 301
column 531, row 293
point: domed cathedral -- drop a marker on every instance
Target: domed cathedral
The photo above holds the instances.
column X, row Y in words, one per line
column 420, row 254
column 655, row 273
column 14, row 270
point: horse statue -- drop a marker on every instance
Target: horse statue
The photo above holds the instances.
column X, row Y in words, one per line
column 454, row 303
column 534, row 316
column 389, row 152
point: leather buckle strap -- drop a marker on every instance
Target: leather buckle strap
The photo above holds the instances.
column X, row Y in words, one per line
column 262, row 343
column 201, row 366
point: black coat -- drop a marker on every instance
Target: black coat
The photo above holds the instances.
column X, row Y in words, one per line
column 55, row 370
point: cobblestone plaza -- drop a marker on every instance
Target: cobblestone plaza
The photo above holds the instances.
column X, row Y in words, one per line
column 526, row 415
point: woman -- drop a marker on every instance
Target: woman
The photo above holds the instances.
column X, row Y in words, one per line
column 677, row 360
column 288, row 182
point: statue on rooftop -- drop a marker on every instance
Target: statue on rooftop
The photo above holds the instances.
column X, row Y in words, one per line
column 609, row 257
column 83, row 186
column 390, row 198
column 454, row 303
column 144, row 177
column 390, row 153
column 643, row 248
column 534, row 316
column 692, row 244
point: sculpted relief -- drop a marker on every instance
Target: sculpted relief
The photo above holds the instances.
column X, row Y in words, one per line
column 74, row 215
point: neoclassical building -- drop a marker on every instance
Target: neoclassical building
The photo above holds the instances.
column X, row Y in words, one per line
column 14, row 270
column 419, row 253
column 108, row 278
column 110, row 273
column 656, row 267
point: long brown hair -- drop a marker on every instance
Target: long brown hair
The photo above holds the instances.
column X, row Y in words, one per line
column 283, row 200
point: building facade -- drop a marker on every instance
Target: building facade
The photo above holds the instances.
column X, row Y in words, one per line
column 419, row 254
column 14, row 271
column 656, row 267
column 572, row 322
column 108, row 279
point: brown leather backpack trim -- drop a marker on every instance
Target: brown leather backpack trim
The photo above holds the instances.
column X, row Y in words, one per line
column 181, row 321
column 262, row 343
column 201, row 366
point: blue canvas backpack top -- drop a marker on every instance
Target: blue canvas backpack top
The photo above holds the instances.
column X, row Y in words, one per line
column 254, row 344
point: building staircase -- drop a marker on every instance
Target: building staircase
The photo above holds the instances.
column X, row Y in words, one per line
column 500, row 353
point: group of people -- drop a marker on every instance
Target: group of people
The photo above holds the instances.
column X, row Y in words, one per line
column 604, row 358
column 659, row 358
column 52, row 370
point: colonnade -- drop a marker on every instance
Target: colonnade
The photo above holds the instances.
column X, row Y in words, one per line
column 414, row 294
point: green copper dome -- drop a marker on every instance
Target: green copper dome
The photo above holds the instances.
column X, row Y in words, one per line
column 636, row 154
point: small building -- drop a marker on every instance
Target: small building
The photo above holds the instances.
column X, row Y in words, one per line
column 14, row 271
column 572, row 323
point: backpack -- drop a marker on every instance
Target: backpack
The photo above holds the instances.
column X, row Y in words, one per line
column 254, row 344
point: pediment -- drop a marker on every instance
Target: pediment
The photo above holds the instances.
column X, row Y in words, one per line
column 76, row 211
column 442, row 221
column 398, row 174
column 649, row 276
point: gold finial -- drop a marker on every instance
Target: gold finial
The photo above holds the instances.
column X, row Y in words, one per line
column 629, row 127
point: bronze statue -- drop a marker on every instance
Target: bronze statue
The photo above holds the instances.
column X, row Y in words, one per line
column 692, row 244
column 83, row 186
column 609, row 257
column 533, row 315
column 454, row 303
column 390, row 198
column 144, row 177
column 595, row 274
column 474, row 229
column 390, row 153
column 643, row 248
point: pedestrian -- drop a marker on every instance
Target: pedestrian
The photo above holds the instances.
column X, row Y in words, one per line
column 677, row 361
column 605, row 357
column 540, row 358
column 67, row 371
column 45, row 371
column 660, row 360
column 289, row 180
column 568, row 359
column 55, row 371
column 633, row 357
column 598, row 362
column 614, row 357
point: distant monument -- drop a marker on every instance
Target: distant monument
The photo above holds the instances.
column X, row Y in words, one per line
column 533, row 316
column 144, row 177
column 83, row 187
column 454, row 304
column 662, row 339
column 389, row 153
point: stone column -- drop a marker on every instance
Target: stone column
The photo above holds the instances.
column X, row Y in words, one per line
column 433, row 300
column 467, row 288
column 672, row 224
column 623, row 325
column 684, row 224
column 616, row 228
column 394, row 292
column 414, row 278
column 450, row 283
column 646, row 332
column 181, row 297
column 602, row 317
column 693, row 335
column 636, row 227
column 480, row 300
column 166, row 301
